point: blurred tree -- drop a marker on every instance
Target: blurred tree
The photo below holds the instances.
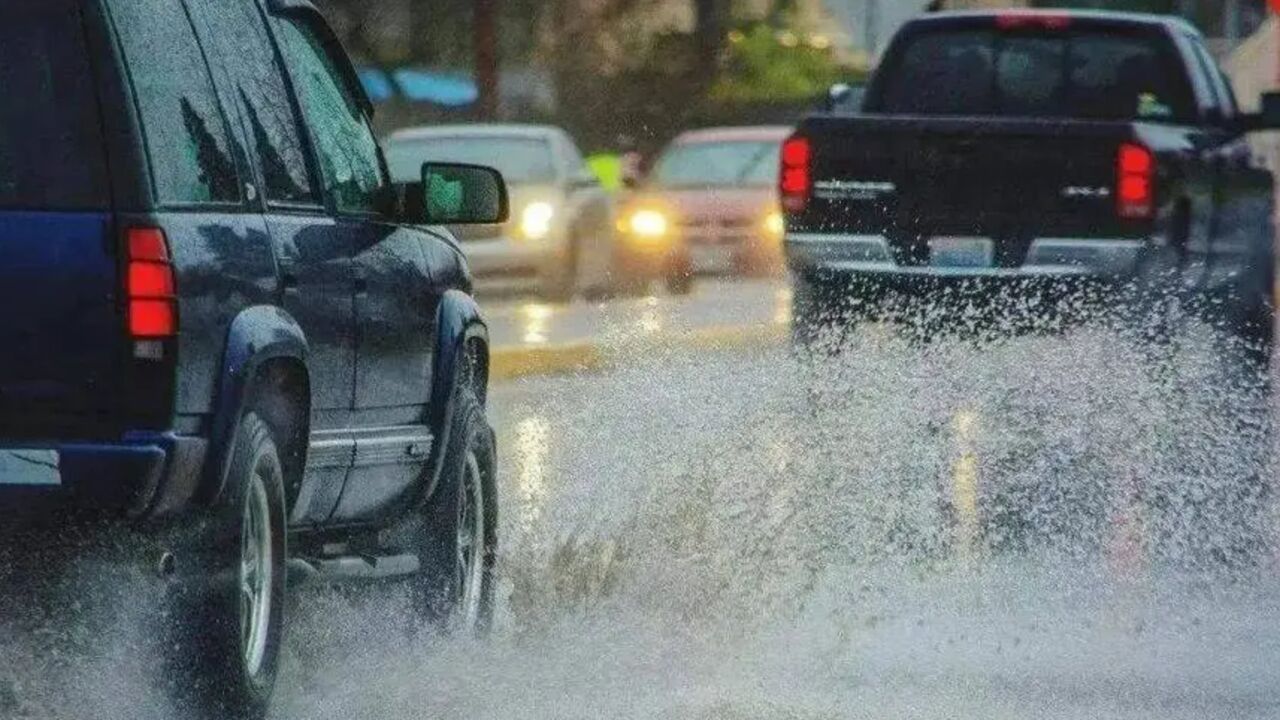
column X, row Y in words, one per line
column 624, row 72
column 762, row 68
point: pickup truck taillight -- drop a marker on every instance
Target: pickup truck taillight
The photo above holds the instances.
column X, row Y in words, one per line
column 1135, row 182
column 796, row 181
column 149, row 286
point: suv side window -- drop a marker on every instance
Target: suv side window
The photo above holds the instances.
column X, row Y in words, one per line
column 182, row 122
column 247, row 51
column 350, row 161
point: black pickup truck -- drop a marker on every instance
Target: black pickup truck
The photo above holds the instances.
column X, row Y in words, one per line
column 1015, row 149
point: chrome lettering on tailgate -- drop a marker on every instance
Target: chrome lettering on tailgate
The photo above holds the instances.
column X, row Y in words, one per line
column 852, row 189
column 1086, row 191
column 30, row 467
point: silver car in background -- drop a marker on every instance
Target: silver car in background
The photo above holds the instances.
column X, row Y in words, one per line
column 559, row 240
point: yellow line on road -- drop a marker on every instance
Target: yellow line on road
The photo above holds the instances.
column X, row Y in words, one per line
column 965, row 480
column 509, row 363
column 513, row 362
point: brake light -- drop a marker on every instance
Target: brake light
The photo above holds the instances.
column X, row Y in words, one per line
column 150, row 288
column 1024, row 20
column 1135, row 182
column 796, row 181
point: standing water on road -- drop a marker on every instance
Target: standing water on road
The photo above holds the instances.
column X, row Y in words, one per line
column 1033, row 527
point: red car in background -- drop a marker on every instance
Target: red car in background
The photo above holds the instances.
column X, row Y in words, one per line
column 708, row 206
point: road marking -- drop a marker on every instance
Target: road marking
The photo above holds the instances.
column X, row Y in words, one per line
column 964, row 482
column 514, row 362
column 509, row 363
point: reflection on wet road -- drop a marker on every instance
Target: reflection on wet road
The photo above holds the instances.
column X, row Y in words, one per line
column 714, row 304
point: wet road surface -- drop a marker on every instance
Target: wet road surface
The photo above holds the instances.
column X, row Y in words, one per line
column 1039, row 527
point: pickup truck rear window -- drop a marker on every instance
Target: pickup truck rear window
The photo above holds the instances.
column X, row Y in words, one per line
column 1087, row 74
column 51, row 151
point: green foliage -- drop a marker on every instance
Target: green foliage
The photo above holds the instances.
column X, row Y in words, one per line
column 771, row 66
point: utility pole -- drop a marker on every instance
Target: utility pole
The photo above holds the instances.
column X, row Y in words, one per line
column 871, row 27
column 1231, row 22
column 486, row 50
column 709, row 21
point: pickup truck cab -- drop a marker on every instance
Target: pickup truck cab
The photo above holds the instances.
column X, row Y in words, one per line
column 1050, row 149
column 228, row 330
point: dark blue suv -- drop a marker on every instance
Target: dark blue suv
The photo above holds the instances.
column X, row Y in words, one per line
column 227, row 329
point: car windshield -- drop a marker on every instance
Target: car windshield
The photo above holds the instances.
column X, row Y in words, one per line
column 1094, row 75
column 522, row 161
column 51, row 153
column 718, row 164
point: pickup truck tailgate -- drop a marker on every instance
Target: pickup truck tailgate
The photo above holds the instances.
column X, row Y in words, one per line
column 904, row 175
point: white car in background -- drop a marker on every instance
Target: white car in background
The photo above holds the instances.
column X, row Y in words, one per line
column 559, row 240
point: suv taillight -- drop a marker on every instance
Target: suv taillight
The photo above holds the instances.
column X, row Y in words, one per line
column 149, row 286
column 1135, row 182
column 796, row 181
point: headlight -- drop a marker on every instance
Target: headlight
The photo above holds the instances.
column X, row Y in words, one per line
column 774, row 226
column 535, row 221
column 648, row 224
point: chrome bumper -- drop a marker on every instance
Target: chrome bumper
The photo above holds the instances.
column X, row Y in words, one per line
column 1047, row 257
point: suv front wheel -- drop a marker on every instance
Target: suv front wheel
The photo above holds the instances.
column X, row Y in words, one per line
column 458, row 531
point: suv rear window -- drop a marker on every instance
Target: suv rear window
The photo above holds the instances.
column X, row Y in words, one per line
column 51, row 150
column 1093, row 74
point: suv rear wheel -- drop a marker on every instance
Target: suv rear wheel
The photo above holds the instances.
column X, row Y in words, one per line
column 228, row 615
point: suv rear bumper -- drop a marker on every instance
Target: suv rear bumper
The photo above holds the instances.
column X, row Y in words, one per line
column 143, row 476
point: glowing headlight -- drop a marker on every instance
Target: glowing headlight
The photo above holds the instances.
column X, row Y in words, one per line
column 774, row 225
column 535, row 221
column 649, row 224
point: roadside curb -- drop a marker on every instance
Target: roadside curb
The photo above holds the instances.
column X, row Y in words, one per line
column 512, row 363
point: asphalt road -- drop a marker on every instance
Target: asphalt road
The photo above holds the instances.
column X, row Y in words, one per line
column 530, row 337
column 1040, row 527
column 1015, row 530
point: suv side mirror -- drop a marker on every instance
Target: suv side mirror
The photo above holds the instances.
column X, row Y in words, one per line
column 1270, row 110
column 1268, row 117
column 456, row 194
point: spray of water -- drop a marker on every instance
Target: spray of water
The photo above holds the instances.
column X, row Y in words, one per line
column 1066, row 525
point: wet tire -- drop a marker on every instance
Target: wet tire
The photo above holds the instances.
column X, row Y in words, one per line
column 1254, row 338
column 818, row 314
column 457, row 546
column 227, row 608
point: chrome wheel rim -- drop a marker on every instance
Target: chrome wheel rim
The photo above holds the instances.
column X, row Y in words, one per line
column 469, row 555
column 256, row 570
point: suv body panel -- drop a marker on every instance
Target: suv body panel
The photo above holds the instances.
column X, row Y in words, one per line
column 375, row 312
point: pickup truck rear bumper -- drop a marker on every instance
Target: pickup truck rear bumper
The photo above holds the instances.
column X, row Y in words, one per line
column 870, row 255
column 142, row 476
